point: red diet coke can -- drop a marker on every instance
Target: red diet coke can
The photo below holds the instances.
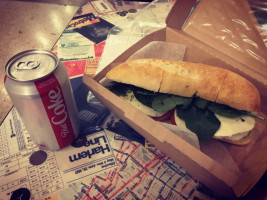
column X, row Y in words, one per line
column 39, row 87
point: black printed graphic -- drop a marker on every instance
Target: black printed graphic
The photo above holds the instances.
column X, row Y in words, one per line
column 96, row 32
column 38, row 157
column 21, row 194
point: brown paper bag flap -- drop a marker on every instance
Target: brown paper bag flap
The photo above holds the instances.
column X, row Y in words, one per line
column 225, row 26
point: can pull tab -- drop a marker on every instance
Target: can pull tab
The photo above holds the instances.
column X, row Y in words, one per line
column 22, row 65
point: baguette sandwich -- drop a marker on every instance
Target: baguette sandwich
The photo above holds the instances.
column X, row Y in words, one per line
column 209, row 101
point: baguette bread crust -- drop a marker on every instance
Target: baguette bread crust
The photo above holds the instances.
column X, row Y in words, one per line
column 142, row 73
column 243, row 141
column 239, row 93
column 186, row 79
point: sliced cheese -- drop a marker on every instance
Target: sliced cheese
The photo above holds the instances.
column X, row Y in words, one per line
column 231, row 128
column 130, row 98
column 234, row 128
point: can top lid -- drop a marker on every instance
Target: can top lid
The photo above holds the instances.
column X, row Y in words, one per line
column 31, row 65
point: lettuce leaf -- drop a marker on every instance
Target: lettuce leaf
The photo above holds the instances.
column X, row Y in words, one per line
column 202, row 122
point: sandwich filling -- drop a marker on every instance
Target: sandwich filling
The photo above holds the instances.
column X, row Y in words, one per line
column 205, row 118
column 233, row 129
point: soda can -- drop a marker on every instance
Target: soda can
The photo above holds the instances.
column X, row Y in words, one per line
column 39, row 87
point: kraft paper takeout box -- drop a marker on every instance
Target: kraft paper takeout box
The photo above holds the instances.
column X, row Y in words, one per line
column 215, row 32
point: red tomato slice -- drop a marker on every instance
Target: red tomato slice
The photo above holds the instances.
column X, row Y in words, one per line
column 173, row 117
column 166, row 116
column 162, row 117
